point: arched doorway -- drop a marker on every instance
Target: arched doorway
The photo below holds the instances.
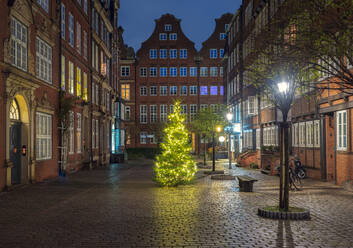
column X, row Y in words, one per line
column 15, row 141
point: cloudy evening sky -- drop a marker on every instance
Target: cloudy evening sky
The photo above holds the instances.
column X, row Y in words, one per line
column 197, row 17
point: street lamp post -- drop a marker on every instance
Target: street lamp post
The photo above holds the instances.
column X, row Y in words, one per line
column 198, row 60
column 218, row 129
column 229, row 118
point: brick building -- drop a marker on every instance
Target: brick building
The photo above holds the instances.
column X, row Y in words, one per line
column 54, row 51
column 168, row 67
column 320, row 126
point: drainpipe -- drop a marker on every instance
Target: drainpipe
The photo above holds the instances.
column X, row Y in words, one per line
column 323, row 148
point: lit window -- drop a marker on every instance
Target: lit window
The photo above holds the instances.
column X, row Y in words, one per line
column 125, row 91
column 193, row 71
column 204, row 71
column 63, row 66
column 203, row 90
column 221, row 53
column 14, row 110
column 173, row 36
column 163, row 90
column 167, row 27
column 163, row 53
column 183, row 53
column 183, row 71
column 163, row 71
column 85, row 93
column 153, row 53
column 143, row 91
column 78, row 82
column 213, row 53
column 173, row 72
column 193, row 90
column 153, row 90
column 173, row 53
column 162, row 36
column 153, row 71
column 183, row 90
column 222, row 36
column 213, row 90
column 71, row 77
column 221, row 90
column 44, row 131
column 143, row 72
column 173, row 90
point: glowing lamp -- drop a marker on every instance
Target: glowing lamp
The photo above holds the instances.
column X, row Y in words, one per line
column 283, row 87
column 229, row 116
column 221, row 138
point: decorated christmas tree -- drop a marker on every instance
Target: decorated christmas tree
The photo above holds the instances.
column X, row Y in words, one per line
column 174, row 165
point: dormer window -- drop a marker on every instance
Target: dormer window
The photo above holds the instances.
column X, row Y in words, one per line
column 167, row 27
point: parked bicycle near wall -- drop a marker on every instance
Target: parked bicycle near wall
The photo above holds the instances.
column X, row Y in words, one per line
column 296, row 174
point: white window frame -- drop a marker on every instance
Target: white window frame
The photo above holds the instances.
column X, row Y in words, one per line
column 18, row 42
column 309, row 133
column 153, row 71
column 143, row 114
column 171, row 90
column 193, row 111
column 143, row 138
column 163, row 112
column 341, row 130
column 153, row 90
column 173, row 53
column 163, row 90
column 173, row 71
column 44, row 138
column 71, row 30
column 258, row 138
column 125, row 71
column 167, row 27
column 43, row 61
column 153, row 113
column 153, row 53
column 163, row 53
column 143, row 90
column 214, row 71
column 316, row 133
column 213, row 53
column 193, row 90
column 302, row 134
column 143, row 72
column 193, row 71
column 183, row 53
column 183, row 90
column 183, row 71
column 173, row 36
column 78, row 37
column 204, row 72
column 163, row 71
column 251, row 105
column 163, row 36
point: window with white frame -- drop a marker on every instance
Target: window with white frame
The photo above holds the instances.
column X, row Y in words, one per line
column 163, row 71
column 78, row 37
column 193, row 111
column 163, row 90
column 152, row 138
column 143, row 91
column 143, row 72
column 18, row 44
column 302, row 134
column 214, row 71
column 153, row 113
column 85, row 49
column 183, row 53
column 204, row 71
column 221, row 53
column 316, row 133
column 143, row 113
column 153, row 53
column 173, row 53
column 125, row 71
column 309, row 133
column 167, row 27
column 63, row 21
column 71, row 132
column 251, row 105
column 78, row 133
column 63, row 75
column 153, row 71
column 221, row 71
column 163, row 53
column 162, row 36
column 341, row 120
column 193, row 71
column 213, row 90
column 71, row 30
column 173, row 71
column 222, row 36
column 171, row 108
column 213, row 53
column 258, row 138
column 173, row 90
column 43, row 136
column 173, row 36
column 214, row 107
column 295, row 134
column 193, row 90
column 44, row 4
column 143, row 137
column 203, row 90
column 163, row 112
column 183, row 90
column 184, row 109
column 183, row 71
column 43, row 61
column 153, row 90
column 203, row 106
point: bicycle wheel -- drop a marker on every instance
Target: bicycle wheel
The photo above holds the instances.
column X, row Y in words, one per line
column 298, row 182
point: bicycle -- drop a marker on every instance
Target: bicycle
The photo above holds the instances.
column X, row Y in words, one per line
column 295, row 181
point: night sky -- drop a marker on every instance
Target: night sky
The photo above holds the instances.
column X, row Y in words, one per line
column 197, row 17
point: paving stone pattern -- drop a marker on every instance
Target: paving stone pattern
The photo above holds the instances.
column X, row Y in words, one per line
column 119, row 206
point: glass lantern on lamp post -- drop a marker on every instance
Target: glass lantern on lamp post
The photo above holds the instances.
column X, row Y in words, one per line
column 229, row 131
column 218, row 129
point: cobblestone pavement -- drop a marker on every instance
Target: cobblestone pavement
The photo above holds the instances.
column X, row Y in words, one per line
column 120, row 206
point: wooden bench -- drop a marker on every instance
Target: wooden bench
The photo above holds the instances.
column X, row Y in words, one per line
column 246, row 183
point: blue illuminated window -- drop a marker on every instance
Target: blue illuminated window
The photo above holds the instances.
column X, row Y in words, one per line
column 162, row 36
column 222, row 36
column 173, row 53
column 167, row 27
column 183, row 71
column 173, row 36
column 221, row 90
column 163, row 71
column 163, row 90
column 153, row 53
column 213, row 90
column 203, row 90
column 213, row 53
column 173, row 90
column 173, row 72
column 221, row 53
column 193, row 71
column 163, row 53
column 183, row 53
